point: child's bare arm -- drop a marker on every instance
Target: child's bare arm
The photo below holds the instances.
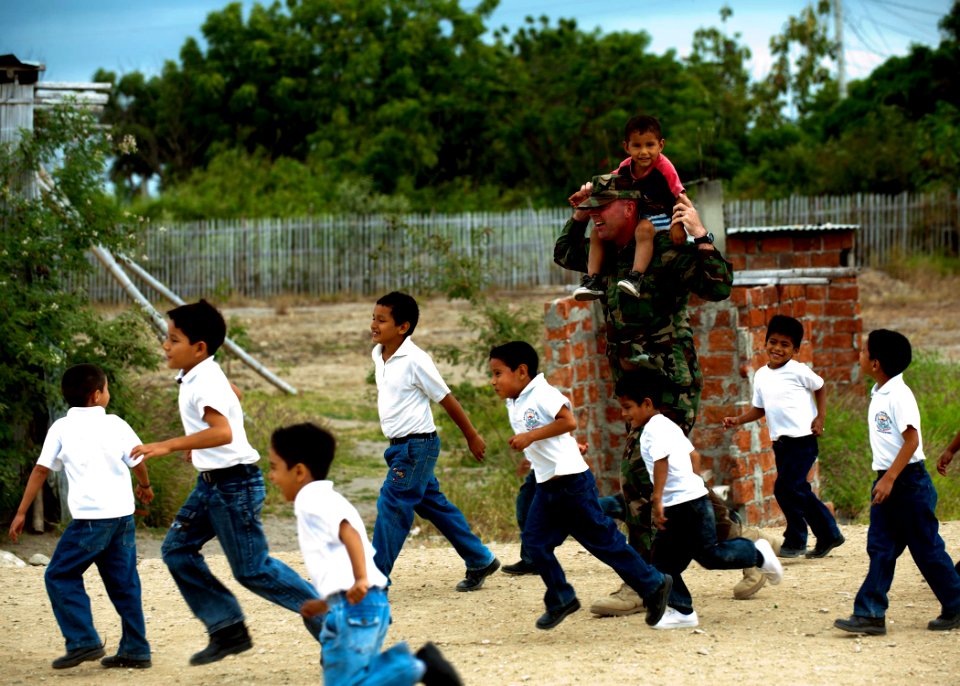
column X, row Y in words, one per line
column 751, row 415
column 34, row 484
column 563, row 423
column 219, row 433
column 143, row 491
column 911, row 441
column 820, row 395
column 946, row 457
column 474, row 441
column 354, row 545
column 659, row 482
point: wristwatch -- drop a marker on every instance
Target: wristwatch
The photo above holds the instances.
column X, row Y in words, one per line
column 704, row 239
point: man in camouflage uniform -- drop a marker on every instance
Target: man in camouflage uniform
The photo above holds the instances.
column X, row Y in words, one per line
column 652, row 331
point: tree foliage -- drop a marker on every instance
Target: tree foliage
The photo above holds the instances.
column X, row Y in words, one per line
column 294, row 101
column 43, row 240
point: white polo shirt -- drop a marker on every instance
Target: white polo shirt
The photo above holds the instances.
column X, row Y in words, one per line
column 93, row 447
column 319, row 510
column 892, row 409
column 662, row 439
column 207, row 386
column 785, row 395
column 536, row 406
column 406, row 383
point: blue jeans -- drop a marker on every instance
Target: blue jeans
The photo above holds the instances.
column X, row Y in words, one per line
column 528, row 489
column 230, row 511
column 691, row 534
column 907, row 519
column 351, row 639
column 410, row 487
column 801, row 507
column 568, row 506
column 111, row 545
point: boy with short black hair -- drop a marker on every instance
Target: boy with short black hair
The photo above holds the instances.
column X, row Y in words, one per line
column 407, row 380
column 681, row 508
column 228, row 496
column 339, row 557
column 566, row 501
column 94, row 449
column 793, row 399
column 650, row 172
column 903, row 509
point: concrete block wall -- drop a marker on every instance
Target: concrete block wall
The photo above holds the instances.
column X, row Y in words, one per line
column 730, row 345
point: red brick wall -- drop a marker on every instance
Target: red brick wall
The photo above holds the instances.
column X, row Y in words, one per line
column 730, row 344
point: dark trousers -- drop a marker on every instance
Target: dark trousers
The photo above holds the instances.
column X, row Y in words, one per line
column 691, row 534
column 801, row 507
column 907, row 519
column 568, row 506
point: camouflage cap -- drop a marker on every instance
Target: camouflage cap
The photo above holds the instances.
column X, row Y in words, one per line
column 608, row 188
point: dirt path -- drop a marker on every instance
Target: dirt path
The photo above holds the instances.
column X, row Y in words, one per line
column 782, row 636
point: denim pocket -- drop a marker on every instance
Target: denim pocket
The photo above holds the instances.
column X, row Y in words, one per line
column 401, row 463
column 363, row 626
column 95, row 535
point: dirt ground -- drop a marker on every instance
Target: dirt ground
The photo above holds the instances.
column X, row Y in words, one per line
column 784, row 635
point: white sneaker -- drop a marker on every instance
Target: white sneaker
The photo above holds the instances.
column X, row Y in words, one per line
column 771, row 567
column 673, row 619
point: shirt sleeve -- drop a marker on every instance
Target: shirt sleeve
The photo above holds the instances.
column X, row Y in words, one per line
column 809, row 378
column 50, row 453
column 758, row 389
column 906, row 412
column 570, row 250
column 218, row 396
column 665, row 167
column 126, row 438
column 427, row 378
column 552, row 401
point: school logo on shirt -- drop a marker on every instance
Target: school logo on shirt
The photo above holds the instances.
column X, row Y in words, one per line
column 530, row 419
column 884, row 423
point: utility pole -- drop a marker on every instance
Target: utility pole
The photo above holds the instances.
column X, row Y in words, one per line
column 841, row 59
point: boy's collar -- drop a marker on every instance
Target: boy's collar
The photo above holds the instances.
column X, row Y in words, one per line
column 533, row 383
column 190, row 374
column 92, row 409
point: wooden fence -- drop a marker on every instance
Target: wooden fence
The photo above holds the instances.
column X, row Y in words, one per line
column 905, row 224
column 368, row 255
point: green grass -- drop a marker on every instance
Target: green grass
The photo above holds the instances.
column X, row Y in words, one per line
column 845, row 458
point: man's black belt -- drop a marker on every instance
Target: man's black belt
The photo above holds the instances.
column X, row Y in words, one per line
column 412, row 437
column 239, row 471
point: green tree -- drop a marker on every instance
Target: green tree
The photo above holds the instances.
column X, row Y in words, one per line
column 46, row 326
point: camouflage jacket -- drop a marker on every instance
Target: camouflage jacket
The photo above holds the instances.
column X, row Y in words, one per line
column 674, row 273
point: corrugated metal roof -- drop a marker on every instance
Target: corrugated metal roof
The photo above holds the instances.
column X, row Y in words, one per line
column 734, row 230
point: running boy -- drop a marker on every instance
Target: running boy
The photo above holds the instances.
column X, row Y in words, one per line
column 407, row 380
column 566, row 499
column 655, row 176
column 94, row 448
column 681, row 510
column 339, row 557
column 794, row 400
column 903, row 509
column 226, row 501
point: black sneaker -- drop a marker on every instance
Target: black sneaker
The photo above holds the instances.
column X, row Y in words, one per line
column 590, row 288
column 125, row 662
column 77, row 655
column 223, row 642
column 787, row 551
column 439, row 671
column 520, row 568
column 822, row 550
column 475, row 577
column 945, row 622
column 656, row 603
column 631, row 285
column 551, row 618
column 855, row 624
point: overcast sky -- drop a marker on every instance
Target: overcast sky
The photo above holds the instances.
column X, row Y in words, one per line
column 75, row 37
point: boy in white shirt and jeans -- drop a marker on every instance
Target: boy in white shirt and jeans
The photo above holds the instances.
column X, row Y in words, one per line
column 903, row 509
column 566, row 501
column 353, row 592
column 407, row 380
column 93, row 448
column 227, row 499
column 681, row 511
column 793, row 399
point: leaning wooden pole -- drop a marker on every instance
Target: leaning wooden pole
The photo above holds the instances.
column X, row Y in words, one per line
column 158, row 322
column 162, row 289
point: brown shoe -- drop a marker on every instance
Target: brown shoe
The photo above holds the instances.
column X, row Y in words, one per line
column 623, row 601
column 752, row 581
